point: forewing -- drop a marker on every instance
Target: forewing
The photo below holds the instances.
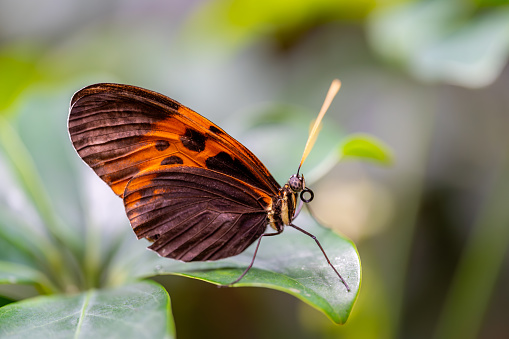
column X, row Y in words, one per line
column 122, row 130
column 195, row 214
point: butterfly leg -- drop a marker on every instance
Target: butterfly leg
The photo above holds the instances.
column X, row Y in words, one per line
column 325, row 255
column 254, row 256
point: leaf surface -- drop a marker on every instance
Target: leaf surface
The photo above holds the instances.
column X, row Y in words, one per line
column 290, row 262
column 140, row 310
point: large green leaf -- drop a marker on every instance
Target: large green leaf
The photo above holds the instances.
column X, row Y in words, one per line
column 140, row 310
column 290, row 262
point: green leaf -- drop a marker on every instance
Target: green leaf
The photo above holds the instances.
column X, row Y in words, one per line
column 11, row 273
column 4, row 301
column 290, row 262
column 237, row 22
column 140, row 310
column 13, row 247
column 472, row 56
column 365, row 147
column 25, row 169
column 15, row 273
column 18, row 69
column 443, row 41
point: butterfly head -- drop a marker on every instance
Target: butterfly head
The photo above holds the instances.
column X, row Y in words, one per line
column 298, row 185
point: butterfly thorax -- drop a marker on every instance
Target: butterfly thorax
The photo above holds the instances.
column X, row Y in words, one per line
column 283, row 208
column 284, row 204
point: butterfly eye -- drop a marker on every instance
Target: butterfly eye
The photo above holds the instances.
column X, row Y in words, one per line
column 296, row 183
column 311, row 195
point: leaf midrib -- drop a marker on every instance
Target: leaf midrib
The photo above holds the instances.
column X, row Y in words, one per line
column 88, row 296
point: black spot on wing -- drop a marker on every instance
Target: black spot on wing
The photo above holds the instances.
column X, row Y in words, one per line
column 193, row 140
column 224, row 163
column 161, row 145
column 214, row 129
column 172, row 160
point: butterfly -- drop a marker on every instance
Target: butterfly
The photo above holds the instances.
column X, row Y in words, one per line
column 188, row 187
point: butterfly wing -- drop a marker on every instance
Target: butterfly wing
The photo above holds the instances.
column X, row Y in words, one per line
column 121, row 131
column 195, row 214
column 187, row 185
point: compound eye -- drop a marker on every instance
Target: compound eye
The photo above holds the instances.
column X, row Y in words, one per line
column 295, row 183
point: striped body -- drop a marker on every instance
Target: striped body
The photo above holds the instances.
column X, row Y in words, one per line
column 283, row 208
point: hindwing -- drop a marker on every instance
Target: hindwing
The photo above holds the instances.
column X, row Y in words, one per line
column 195, row 214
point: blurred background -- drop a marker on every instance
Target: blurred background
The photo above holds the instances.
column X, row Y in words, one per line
column 429, row 78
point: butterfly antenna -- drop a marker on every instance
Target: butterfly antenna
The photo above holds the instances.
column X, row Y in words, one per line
column 313, row 132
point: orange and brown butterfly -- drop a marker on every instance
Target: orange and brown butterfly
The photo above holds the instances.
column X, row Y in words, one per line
column 190, row 188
